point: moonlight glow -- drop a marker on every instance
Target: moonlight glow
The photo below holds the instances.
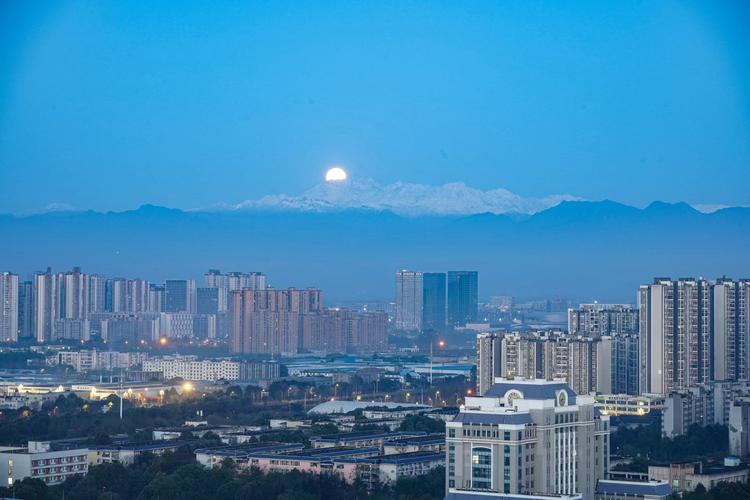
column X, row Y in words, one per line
column 336, row 174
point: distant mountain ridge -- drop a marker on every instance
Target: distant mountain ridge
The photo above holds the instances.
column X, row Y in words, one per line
column 585, row 249
column 455, row 198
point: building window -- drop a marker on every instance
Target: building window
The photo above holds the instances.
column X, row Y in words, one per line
column 481, row 468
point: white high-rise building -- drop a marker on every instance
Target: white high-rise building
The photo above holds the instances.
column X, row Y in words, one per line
column 76, row 295
column 227, row 283
column 692, row 332
column 97, row 293
column 47, row 289
column 8, row 307
column 675, row 333
column 130, row 295
column 489, row 361
column 595, row 320
column 409, row 300
column 731, row 329
column 527, row 437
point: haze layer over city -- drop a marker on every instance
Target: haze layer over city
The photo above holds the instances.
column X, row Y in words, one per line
column 416, row 250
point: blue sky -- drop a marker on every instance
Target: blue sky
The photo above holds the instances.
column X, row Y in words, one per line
column 109, row 105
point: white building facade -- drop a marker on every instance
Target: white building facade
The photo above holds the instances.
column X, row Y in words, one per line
column 527, row 437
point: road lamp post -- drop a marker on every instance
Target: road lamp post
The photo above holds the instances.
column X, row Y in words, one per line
column 441, row 344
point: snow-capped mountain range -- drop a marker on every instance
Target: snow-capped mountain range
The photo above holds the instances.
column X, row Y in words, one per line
column 403, row 198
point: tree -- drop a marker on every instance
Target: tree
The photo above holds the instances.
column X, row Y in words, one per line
column 420, row 423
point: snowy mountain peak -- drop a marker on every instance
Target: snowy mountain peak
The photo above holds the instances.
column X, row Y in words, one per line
column 455, row 198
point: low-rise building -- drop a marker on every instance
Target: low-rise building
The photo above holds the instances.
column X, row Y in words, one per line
column 458, row 494
column 607, row 489
column 193, row 368
column 688, row 475
column 314, row 460
column 428, row 442
column 16, row 400
column 359, row 439
column 85, row 360
column 240, row 455
column 39, row 460
column 128, row 452
column 387, row 469
column 625, row 404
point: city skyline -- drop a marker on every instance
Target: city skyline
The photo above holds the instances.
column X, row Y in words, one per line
column 429, row 250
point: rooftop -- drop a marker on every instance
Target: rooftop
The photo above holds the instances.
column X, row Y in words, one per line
column 611, row 487
column 400, row 458
column 157, row 445
column 319, row 454
column 342, row 406
column 531, row 389
column 355, row 436
column 246, row 449
column 456, row 494
column 428, row 438
column 511, row 418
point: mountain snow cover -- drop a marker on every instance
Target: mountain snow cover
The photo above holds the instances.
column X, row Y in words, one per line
column 454, row 198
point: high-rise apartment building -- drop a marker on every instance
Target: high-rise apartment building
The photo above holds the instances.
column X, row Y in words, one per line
column 730, row 306
column 97, row 302
column 433, row 301
column 489, row 361
column 214, row 279
column 129, row 295
column 25, row 310
column 179, row 296
column 463, row 297
column 624, row 362
column 527, row 437
column 207, row 300
column 47, row 304
column 343, row 330
column 409, row 300
column 235, row 280
column 75, row 295
column 227, row 283
column 269, row 321
column 606, row 365
column 595, row 320
column 674, row 334
column 692, row 331
column 156, row 298
column 8, row 307
column 177, row 325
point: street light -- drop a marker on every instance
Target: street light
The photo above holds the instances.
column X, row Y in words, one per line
column 441, row 344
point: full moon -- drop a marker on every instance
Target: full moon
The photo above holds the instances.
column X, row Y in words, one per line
column 335, row 174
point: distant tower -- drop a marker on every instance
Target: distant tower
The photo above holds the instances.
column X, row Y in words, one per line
column 409, row 300
column 25, row 309
column 47, row 304
column 433, row 301
column 675, row 333
column 489, row 361
column 8, row 307
column 180, row 296
column 463, row 304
